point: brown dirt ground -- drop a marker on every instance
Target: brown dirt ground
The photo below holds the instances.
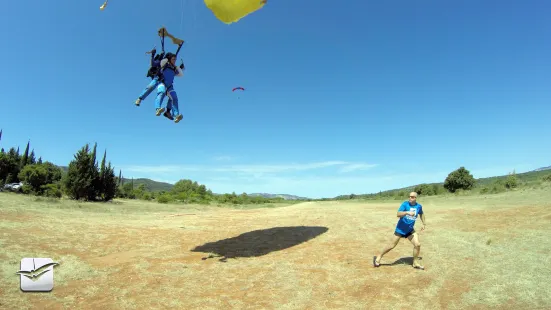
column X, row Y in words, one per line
column 307, row 256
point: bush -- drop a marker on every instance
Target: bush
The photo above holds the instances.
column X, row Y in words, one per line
column 38, row 175
column 511, row 182
column 494, row 188
column 438, row 189
column 52, row 190
column 164, row 198
column 461, row 192
column 27, row 189
column 424, row 189
column 546, row 178
column 459, row 179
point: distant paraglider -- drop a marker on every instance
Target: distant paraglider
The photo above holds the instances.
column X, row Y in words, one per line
column 102, row 7
column 238, row 88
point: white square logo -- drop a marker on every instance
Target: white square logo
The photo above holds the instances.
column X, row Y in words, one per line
column 37, row 274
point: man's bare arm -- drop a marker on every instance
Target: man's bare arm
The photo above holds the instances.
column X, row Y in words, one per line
column 423, row 219
column 404, row 213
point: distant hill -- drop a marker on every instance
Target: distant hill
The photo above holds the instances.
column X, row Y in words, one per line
column 156, row 186
column 284, row 196
column 150, row 185
column 525, row 176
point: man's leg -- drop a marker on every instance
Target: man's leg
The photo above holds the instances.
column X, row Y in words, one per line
column 392, row 244
column 168, row 115
column 169, row 105
column 414, row 238
column 147, row 90
column 161, row 93
column 175, row 111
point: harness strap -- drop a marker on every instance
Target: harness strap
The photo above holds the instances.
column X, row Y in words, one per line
column 178, row 50
column 163, row 41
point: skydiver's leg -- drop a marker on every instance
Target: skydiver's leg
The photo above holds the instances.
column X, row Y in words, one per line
column 167, row 113
column 175, row 111
column 147, row 90
column 161, row 93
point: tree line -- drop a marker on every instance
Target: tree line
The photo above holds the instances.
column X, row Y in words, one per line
column 458, row 181
column 90, row 180
column 84, row 179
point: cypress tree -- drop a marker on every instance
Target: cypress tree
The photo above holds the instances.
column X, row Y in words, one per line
column 102, row 177
column 79, row 180
column 93, row 155
column 109, row 183
column 94, row 190
column 25, row 158
column 32, row 158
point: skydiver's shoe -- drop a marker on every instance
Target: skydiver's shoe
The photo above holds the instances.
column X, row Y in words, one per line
column 178, row 118
column 138, row 101
column 159, row 111
column 168, row 115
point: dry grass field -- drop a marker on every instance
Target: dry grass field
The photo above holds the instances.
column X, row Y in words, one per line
column 480, row 252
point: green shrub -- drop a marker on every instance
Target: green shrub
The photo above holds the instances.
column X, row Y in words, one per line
column 511, row 182
column 26, row 189
column 424, row 189
column 51, row 190
column 146, row 196
column 164, row 198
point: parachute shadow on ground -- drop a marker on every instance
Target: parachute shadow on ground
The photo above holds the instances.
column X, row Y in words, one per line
column 260, row 242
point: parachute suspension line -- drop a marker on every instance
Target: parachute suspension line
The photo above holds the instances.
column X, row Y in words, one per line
column 163, row 41
column 182, row 17
column 179, row 47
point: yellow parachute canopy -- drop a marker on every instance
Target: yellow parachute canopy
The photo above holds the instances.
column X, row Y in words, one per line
column 102, row 7
column 230, row 11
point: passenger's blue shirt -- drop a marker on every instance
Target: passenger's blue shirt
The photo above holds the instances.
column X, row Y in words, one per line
column 169, row 73
column 406, row 223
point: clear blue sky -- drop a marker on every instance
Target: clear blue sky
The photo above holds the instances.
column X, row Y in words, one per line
column 342, row 96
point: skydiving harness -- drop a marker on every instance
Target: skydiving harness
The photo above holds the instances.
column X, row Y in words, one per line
column 155, row 71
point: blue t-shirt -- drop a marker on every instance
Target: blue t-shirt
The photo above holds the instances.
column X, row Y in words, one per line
column 406, row 223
